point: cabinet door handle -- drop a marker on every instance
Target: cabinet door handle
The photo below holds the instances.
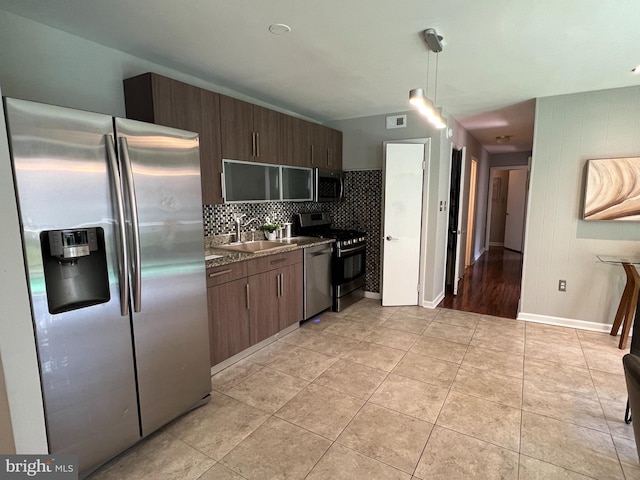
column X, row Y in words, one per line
column 328, row 157
column 221, row 272
column 247, row 296
column 281, row 284
column 257, row 144
column 311, row 154
column 253, row 144
column 279, row 260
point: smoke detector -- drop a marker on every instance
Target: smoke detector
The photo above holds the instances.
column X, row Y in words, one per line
column 502, row 139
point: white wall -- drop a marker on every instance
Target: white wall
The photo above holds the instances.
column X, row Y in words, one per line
column 47, row 65
column 363, row 138
column 7, row 445
column 570, row 129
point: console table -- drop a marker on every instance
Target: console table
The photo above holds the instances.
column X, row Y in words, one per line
column 629, row 301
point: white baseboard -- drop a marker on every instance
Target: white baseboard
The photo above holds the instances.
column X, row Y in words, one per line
column 374, row 295
column 433, row 303
column 564, row 322
column 480, row 253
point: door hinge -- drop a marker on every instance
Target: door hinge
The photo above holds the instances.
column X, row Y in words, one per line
column 424, row 165
column 418, row 289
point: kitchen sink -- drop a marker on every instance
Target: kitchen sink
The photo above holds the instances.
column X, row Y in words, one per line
column 257, row 246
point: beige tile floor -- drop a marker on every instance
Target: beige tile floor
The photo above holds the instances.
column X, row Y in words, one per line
column 405, row 393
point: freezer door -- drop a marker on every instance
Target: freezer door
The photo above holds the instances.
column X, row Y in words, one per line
column 86, row 357
column 168, row 277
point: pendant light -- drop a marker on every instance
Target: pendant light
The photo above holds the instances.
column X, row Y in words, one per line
column 417, row 96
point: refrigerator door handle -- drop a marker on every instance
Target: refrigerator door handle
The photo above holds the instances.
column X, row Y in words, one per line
column 123, row 274
column 135, row 225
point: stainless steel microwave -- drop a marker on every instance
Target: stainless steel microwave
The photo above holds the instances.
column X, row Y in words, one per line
column 328, row 185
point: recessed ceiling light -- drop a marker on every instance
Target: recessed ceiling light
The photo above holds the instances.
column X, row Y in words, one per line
column 636, row 70
column 503, row 139
column 279, row 28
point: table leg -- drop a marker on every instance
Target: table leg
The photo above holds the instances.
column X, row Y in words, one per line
column 623, row 307
column 627, row 305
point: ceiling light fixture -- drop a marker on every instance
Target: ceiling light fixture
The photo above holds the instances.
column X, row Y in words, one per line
column 279, row 28
column 417, row 96
column 502, row 139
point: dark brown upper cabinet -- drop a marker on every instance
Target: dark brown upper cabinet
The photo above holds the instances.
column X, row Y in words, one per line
column 156, row 99
column 318, row 145
column 249, row 132
column 230, row 128
column 295, row 141
column 325, row 147
column 334, row 145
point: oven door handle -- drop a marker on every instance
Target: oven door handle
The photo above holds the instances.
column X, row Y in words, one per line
column 319, row 254
column 350, row 250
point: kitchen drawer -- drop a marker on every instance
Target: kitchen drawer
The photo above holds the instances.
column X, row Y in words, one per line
column 276, row 260
column 226, row 273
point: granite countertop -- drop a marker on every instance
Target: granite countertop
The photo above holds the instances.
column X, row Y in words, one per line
column 215, row 257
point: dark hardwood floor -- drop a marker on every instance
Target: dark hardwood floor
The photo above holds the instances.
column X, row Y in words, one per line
column 490, row 286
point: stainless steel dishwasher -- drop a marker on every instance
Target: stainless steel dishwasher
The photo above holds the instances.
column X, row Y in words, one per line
column 317, row 279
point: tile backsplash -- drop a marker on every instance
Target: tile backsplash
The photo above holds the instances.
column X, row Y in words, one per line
column 361, row 210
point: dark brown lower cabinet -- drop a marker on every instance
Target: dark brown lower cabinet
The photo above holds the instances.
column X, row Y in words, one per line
column 264, row 305
column 252, row 301
column 275, row 301
column 228, row 319
column 291, row 295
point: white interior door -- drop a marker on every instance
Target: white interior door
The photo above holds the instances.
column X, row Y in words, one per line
column 403, row 180
column 516, row 199
column 461, row 244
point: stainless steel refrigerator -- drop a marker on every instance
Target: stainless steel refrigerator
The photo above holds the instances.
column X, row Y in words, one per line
column 112, row 231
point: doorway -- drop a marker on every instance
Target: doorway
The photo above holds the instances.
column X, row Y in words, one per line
column 491, row 284
column 506, row 207
column 453, row 232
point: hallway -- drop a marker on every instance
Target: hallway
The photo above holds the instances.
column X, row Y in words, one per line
column 491, row 286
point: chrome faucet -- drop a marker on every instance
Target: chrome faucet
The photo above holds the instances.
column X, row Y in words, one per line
column 239, row 225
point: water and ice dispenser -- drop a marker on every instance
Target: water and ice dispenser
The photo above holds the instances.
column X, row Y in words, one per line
column 75, row 268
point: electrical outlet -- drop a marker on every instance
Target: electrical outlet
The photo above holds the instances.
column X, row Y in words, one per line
column 562, row 285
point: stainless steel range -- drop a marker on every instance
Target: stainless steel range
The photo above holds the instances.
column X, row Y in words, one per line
column 348, row 260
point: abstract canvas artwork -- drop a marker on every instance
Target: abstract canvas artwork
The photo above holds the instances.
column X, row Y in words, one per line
column 613, row 189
